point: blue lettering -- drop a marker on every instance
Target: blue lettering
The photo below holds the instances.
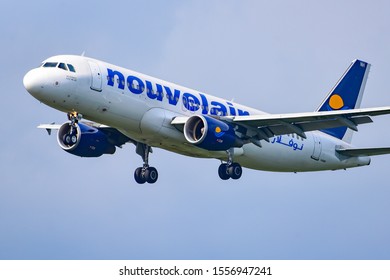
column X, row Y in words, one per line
column 154, row 94
column 232, row 110
column 243, row 113
column 136, row 88
column 155, row 91
column 172, row 98
column 191, row 102
column 205, row 104
column 111, row 78
column 220, row 110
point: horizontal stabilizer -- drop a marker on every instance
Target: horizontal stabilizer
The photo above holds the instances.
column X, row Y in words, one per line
column 363, row 151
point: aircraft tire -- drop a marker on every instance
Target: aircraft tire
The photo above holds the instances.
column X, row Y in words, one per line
column 66, row 139
column 70, row 139
column 73, row 139
column 235, row 171
column 151, row 175
column 222, row 171
column 138, row 176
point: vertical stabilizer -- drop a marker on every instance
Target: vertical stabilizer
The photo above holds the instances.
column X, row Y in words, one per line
column 346, row 94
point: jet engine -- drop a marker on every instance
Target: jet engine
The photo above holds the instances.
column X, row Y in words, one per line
column 84, row 140
column 210, row 134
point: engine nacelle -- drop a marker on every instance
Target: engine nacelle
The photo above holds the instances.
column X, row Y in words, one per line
column 210, row 134
column 83, row 140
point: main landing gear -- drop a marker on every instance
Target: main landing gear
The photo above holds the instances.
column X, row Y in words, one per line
column 70, row 138
column 145, row 173
column 230, row 169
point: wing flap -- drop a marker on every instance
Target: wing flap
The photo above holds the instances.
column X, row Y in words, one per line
column 296, row 122
column 321, row 124
column 269, row 119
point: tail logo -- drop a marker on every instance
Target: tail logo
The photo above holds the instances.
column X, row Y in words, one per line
column 336, row 102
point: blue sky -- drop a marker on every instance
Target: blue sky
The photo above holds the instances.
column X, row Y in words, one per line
column 277, row 56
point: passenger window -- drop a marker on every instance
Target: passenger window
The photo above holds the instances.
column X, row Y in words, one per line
column 50, row 64
column 62, row 66
column 71, row 68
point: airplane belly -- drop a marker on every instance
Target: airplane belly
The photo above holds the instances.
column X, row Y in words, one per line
column 152, row 122
column 271, row 157
column 288, row 154
column 112, row 109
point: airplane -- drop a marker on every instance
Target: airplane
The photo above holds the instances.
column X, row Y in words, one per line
column 108, row 106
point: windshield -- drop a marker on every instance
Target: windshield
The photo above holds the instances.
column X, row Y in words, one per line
column 61, row 65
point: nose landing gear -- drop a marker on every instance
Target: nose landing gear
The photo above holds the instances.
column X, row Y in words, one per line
column 70, row 138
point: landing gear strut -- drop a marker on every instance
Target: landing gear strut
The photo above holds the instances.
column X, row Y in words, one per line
column 71, row 137
column 145, row 173
column 74, row 117
column 230, row 169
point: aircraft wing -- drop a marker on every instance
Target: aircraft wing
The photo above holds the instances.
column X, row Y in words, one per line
column 49, row 127
column 269, row 125
column 114, row 136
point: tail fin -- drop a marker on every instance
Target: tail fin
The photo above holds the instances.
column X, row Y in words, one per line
column 346, row 94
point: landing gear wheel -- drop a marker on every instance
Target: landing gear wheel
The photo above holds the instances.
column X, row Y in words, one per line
column 235, row 171
column 222, row 171
column 70, row 139
column 151, row 175
column 145, row 173
column 73, row 139
column 138, row 176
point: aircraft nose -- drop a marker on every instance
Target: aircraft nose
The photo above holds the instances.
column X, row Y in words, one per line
column 32, row 82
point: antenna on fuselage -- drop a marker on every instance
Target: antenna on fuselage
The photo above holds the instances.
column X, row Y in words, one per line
column 83, row 53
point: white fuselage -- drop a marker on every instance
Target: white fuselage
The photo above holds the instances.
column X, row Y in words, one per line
column 142, row 108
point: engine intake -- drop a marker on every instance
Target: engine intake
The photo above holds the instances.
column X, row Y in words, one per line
column 210, row 134
column 84, row 140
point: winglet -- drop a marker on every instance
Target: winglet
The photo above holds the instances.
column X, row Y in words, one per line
column 346, row 94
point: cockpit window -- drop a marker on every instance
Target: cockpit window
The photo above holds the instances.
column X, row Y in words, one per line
column 62, row 66
column 50, row 64
column 71, row 68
